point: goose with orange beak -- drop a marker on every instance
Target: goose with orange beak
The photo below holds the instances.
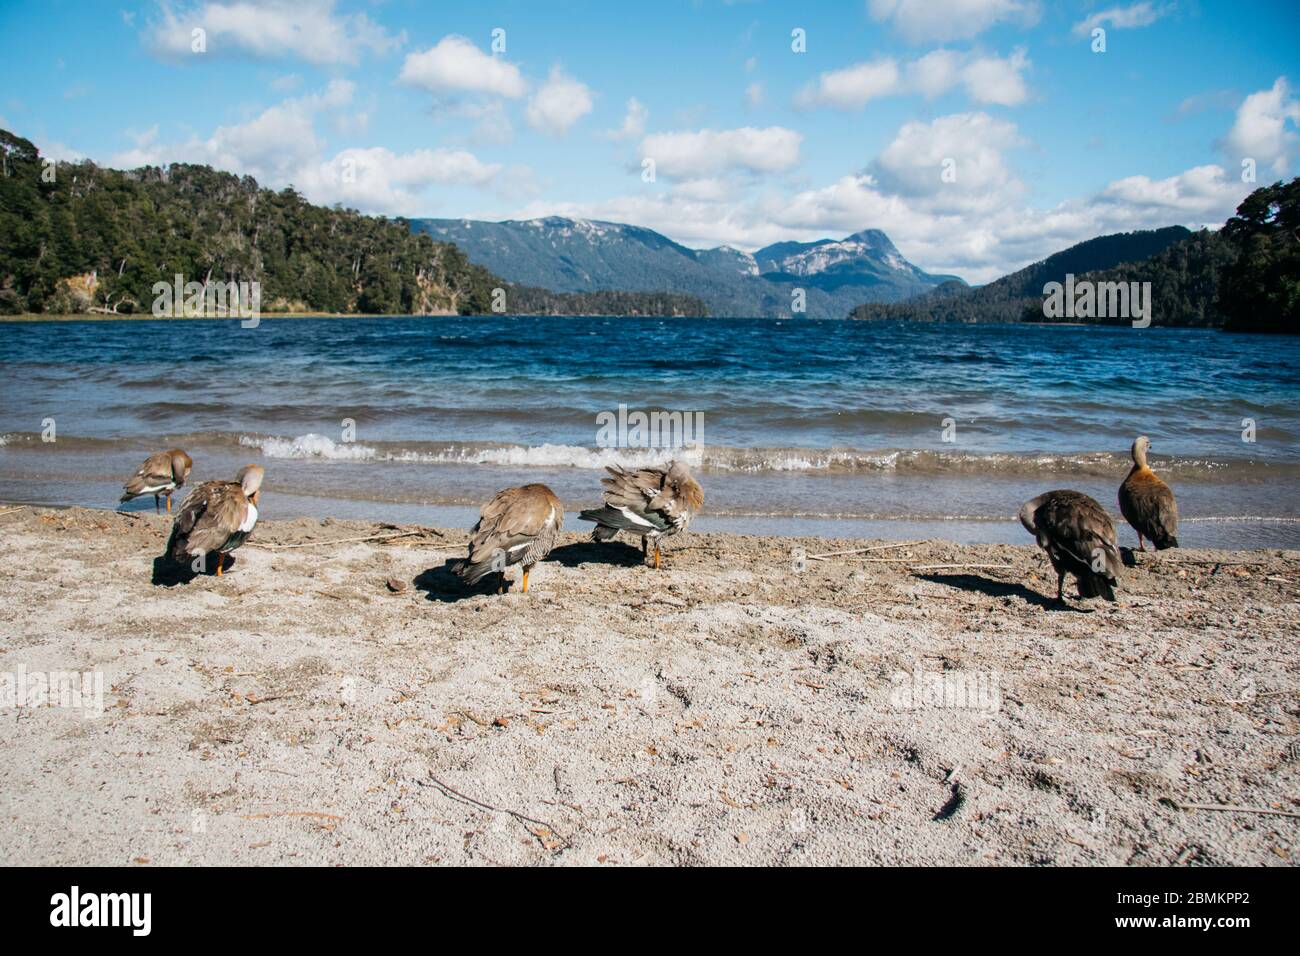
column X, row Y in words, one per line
column 216, row 518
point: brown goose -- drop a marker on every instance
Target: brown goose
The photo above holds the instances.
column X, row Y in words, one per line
column 654, row 503
column 216, row 517
column 1079, row 538
column 160, row 475
column 1147, row 503
column 518, row 526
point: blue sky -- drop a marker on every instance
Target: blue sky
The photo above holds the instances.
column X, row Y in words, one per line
column 403, row 108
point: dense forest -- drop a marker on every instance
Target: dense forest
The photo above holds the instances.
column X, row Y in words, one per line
column 1244, row 277
column 1185, row 281
column 76, row 237
column 1260, row 292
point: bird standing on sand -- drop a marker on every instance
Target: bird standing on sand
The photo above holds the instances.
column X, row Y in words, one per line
column 216, row 517
column 1079, row 538
column 518, row 526
column 1147, row 503
column 160, row 475
column 654, row 503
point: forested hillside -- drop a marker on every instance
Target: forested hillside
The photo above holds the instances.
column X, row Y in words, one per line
column 1185, row 281
column 76, row 237
column 1006, row 299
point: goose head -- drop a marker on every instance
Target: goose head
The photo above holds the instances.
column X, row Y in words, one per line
column 181, row 465
column 1140, row 448
column 250, row 480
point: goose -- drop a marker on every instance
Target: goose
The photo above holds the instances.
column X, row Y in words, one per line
column 1147, row 503
column 1079, row 538
column 654, row 503
column 216, row 517
column 517, row 526
column 160, row 475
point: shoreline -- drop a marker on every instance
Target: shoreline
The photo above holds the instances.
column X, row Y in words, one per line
column 312, row 704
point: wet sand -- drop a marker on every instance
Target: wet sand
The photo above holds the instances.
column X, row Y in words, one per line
column 352, row 703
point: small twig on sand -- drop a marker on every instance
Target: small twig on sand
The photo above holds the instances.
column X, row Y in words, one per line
column 292, row 813
column 12, row 510
column 487, row 806
column 1226, row 809
column 1165, row 562
column 878, row 547
column 370, row 537
column 952, row 567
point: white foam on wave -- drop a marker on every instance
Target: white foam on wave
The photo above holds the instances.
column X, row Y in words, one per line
column 310, row 446
column 573, row 456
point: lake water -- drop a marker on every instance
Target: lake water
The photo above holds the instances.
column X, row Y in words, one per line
column 823, row 427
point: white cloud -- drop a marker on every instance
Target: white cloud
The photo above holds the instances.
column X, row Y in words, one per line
column 558, row 103
column 305, row 29
column 985, row 79
column 854, row 86
column 978, row 226
column 279, row 147
column 971, row 145
column 1260, row 130
column 1120, row 18
column 754, row 95
column 990, row 79
column 696, row 155
column 456, row 65
column 633, row 122
column 944, row 20
column 379, row 179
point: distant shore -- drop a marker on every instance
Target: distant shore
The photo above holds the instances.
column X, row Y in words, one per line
column 147, row 317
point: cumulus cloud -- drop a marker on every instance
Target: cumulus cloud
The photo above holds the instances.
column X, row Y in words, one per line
column 707, row 152
column 310, row 30
column 945, row 20
column 985, row 80
column 1264, row 128
column 456, row 65
column 1120, row 18
column 279, row 147
column 379, row 179
column 970, row 147
column 977, row 224
column 558, row 103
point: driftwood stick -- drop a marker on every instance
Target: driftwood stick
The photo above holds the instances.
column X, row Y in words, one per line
column 1227, row 809
column 369, row 537
column 12, row 510
column 878, row 547
column 487, row 806
column 952, row 567
column 1166, row 562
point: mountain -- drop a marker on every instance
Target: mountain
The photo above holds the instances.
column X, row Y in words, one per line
column 1007, row 299
column 94, row 239
column 579, row 255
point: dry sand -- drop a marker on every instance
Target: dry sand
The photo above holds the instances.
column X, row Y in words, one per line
column 727, row 709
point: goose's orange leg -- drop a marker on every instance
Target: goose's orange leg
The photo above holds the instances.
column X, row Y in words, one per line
column 221, row 559
column 169, row 504
column 525, row 580
column 656, row 556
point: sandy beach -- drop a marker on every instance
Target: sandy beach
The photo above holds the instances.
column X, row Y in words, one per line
column 351, row 703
